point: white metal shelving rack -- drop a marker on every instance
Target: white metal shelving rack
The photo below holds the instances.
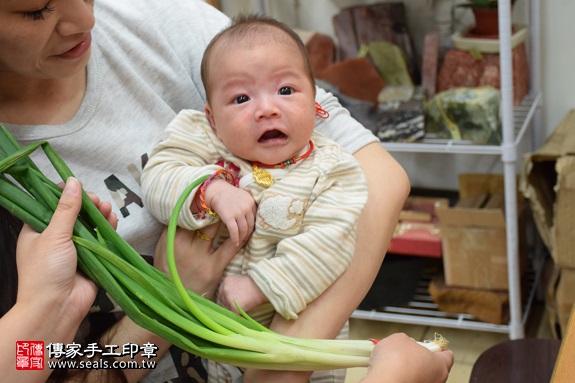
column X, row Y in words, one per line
column 516, row 121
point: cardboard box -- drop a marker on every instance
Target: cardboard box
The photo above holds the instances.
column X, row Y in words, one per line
column 559, row 300
column 548, row 182
column 473, row 234
column 564, row 371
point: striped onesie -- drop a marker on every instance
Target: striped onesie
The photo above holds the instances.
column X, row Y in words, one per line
column 305, row 229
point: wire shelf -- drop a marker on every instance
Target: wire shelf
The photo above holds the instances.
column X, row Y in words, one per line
column 421, row 310
column 522, row 117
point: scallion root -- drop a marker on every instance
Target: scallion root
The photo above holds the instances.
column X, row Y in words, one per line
column 438, row 344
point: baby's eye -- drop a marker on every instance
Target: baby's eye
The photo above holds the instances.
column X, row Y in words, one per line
column 285, row 90
column 40, row 14
column 241, row 99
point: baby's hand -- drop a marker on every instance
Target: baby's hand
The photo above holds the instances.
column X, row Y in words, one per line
column 236, row 208
column 242, row 290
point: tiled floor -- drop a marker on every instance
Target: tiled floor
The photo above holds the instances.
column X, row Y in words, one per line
column 467, row 345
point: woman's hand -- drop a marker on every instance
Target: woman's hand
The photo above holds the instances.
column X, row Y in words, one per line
column 398, row 358
column 47, row 262
column 105, row 208
column 200, row 267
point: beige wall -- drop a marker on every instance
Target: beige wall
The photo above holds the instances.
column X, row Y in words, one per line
column 557, row 21
column 558, row 60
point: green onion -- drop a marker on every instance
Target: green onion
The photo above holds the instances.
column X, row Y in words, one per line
column 150, row 298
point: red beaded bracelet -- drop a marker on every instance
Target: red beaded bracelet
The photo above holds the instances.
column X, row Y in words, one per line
column 229, row 177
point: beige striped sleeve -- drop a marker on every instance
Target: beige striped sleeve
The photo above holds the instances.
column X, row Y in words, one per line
column 187, row 151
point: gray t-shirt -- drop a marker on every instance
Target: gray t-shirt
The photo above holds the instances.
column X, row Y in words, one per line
column 144, row 68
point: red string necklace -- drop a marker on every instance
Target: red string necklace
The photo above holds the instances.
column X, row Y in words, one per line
column 264, row 178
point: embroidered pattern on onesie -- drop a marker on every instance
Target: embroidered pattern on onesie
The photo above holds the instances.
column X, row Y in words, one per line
column 280, row 212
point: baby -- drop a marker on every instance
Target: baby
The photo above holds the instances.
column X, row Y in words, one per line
column 295, row 194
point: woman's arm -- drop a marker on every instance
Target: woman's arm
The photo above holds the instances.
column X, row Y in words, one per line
column 53, row 297
column 388, row 187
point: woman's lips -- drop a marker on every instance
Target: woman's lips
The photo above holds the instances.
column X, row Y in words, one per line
column 78, row 50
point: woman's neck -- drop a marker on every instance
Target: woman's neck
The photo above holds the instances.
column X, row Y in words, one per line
column 40, row 101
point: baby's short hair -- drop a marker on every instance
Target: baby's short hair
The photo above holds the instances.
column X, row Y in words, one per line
column 253, row 28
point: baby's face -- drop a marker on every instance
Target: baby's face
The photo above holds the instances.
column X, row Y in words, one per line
column 262, row 101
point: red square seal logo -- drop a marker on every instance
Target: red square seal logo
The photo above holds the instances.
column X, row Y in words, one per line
column 29, row 355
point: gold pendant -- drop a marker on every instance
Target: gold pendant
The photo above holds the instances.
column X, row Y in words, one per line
column 262, row 177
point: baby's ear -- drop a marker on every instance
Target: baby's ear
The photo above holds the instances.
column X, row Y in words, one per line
column 210, row 118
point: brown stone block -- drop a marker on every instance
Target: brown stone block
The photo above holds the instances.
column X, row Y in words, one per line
column 321, row 51
column 364, row 24
column 356, row 78
column 462, row 69
column 430, row 63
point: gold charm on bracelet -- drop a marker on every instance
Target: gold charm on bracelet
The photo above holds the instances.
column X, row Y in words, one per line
column 262, row 177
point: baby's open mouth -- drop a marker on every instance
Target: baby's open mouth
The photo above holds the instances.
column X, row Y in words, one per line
column 270, row 135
